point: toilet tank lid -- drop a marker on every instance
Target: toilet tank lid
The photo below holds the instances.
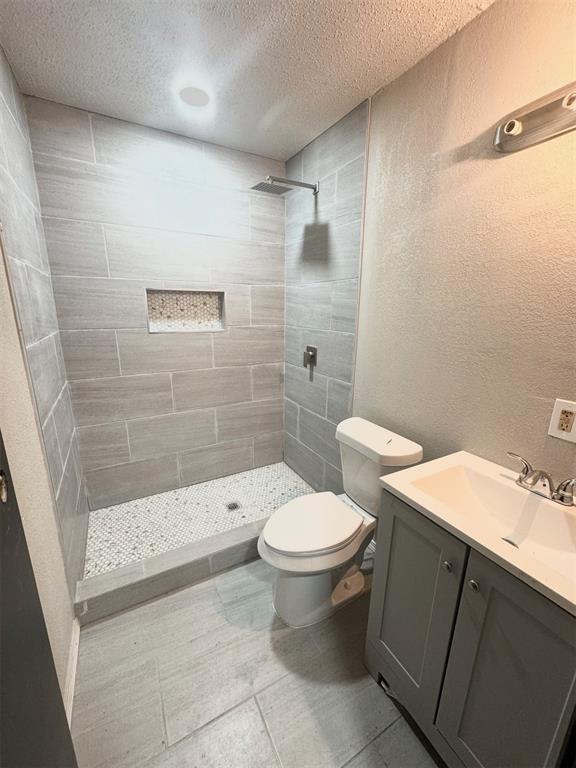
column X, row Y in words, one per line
column 382, row 446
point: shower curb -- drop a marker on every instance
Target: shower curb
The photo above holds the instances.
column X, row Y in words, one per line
column 109, row 593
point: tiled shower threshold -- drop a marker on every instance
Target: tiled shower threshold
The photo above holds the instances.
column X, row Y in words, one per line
column 147, row 547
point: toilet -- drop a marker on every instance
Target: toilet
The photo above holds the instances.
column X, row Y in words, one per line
column 317, row 542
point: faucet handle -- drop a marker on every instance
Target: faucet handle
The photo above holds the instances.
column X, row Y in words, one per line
column 565, row 493
column 527, row 468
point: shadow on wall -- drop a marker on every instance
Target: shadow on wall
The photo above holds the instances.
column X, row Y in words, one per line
column 316, row 242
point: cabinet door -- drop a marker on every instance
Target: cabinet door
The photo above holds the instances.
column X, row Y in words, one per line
column 415, row 588
column 509, row 692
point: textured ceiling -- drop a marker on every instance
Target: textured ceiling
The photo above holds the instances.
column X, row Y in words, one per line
column 279, row 72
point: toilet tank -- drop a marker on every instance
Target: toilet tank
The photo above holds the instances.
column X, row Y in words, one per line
column 368, row 452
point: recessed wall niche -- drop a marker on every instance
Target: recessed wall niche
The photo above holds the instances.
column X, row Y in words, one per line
column 184, row 311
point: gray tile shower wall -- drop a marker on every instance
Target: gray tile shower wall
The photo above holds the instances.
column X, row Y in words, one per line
column 31, row 285
column 127, row 208
column 323, row 243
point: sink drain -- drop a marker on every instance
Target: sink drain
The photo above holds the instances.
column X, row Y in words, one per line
column 232, row 506
column 510, row 541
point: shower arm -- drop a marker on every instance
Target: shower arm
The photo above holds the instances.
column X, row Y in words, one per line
column 289, row 182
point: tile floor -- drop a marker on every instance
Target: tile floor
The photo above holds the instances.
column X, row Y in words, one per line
column 136, row 530
column 208, row 677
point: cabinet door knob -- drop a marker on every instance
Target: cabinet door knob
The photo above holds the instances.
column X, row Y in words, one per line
column 474, row 586
column 447, row 565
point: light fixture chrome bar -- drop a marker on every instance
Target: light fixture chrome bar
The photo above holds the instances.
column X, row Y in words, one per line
column 539, row 121
column 292, row 183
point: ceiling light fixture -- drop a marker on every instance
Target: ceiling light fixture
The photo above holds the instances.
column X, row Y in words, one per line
column 194, row 97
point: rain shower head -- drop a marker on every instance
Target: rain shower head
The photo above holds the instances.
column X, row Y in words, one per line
column 275, row 185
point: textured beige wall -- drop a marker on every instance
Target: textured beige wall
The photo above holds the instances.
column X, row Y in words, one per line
column 467, row 326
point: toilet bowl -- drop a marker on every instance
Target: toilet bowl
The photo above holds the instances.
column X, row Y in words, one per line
column 317, row 542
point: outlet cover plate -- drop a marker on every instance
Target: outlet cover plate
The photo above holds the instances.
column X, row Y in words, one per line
column 554, row 428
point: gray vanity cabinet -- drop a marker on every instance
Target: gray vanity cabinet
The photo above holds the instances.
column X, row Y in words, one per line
column 508, row 696
column 415, row 588
column 485, row 665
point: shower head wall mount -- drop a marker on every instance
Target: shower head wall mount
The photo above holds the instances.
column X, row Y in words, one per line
column 276, row 185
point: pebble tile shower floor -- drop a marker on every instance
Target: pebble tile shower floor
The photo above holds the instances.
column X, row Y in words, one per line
column 142, row 528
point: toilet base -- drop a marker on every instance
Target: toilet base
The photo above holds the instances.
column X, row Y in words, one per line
column 301, row 600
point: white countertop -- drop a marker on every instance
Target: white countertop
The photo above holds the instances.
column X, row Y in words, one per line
column 479, row 502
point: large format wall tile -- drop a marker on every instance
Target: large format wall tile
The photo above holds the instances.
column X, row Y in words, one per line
column 157, row 254
column 30, row 280
column 323, row 242
column 47, row 378
column 99, row 401
column 215, row 461
column 88, row 302
column 309, row 394
column 248, row 419
column 268, row 448
column 113, row 485
column 128, row 208
column 76, row 248
column 243, row 262
column 325, row 253
column 339, row 405
column 53, row 455
column 319, row 434
column 143, row 352
column 103, row 445
column 172, row 433
column 268, row 304
column 59, row 130
column 249, row 346
column 148, row 151
column 64, row 421
column 90, row 354
column 267, row 381
column 309, row 306
column 214, row 386
column 266, row 219
column 344, row 306
column 304, row 461
column 335, row 351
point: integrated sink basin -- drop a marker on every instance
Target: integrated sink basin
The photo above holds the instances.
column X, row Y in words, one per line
column 479, row 502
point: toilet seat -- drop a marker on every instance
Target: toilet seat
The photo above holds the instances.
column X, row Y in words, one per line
column 316, row 524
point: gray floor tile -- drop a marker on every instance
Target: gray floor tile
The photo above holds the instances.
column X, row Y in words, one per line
column 325, row 715
column 162, row 624
column 117, row 720
column 207, row 651
column 213, row 673
column 238, row 739
column 397, row 747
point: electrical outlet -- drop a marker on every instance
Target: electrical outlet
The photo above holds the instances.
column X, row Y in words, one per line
column 563, row 421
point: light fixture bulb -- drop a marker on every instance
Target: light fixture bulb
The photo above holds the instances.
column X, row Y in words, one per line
column 194, row 97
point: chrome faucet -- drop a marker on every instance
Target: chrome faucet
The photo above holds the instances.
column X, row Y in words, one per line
column 540, row 482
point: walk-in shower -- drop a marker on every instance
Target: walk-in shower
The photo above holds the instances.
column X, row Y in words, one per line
column 276, row 185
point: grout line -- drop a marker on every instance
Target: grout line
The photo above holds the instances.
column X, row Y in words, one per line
column 215, row 408
column 106, row 256
column 172, row 392
column 117, row 352
column 127, row 443
column 53, row 406
column 92, row 140
column 39, row 341
column 267, row 729
column 162, row 707
column 189, row 233
column 348, row 762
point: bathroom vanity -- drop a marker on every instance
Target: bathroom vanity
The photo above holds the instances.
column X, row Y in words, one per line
column 472, row 623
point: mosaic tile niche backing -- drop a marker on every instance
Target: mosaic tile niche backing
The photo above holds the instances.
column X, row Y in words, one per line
column 183, row 311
